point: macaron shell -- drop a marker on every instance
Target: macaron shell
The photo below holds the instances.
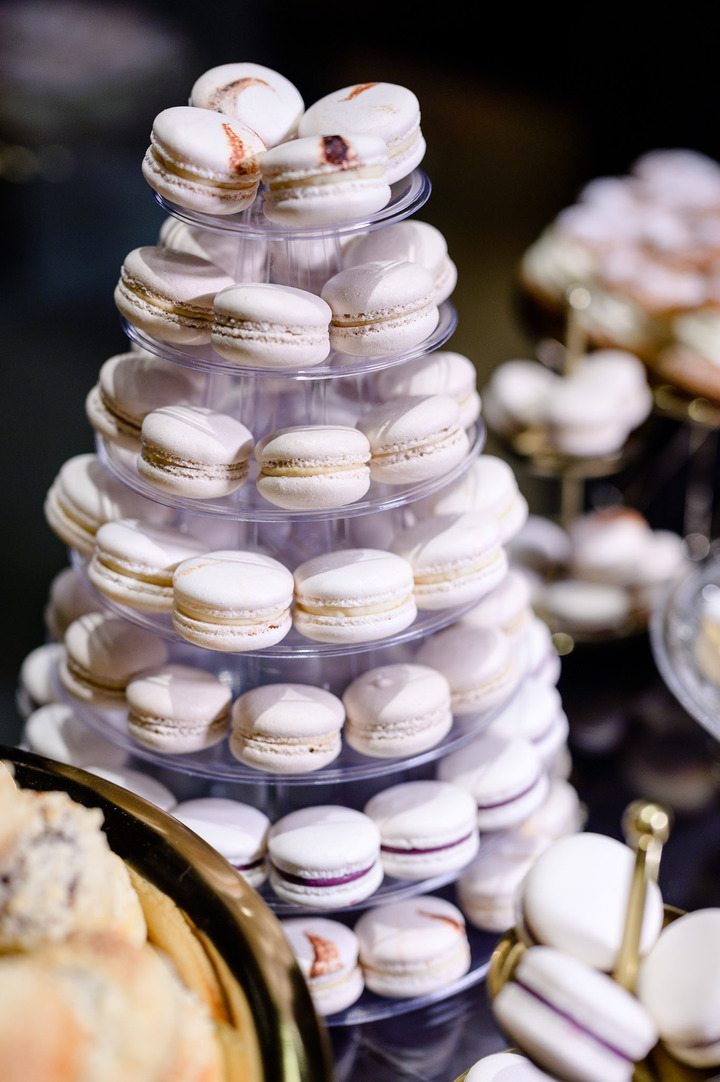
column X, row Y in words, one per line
column 353, row 595
column 194, row 451
column 169, row 293
column 231, row 600
column 562, row 812
column 478, row 664
column 37, row 677
column 414, row 438
column 325, row 179
column 203, row 161
column 129, row 386
column 84, row 494
column 415, row 241
column 325, row 856
column 55, row 732
column 426, row 828
column 440, row 372
column 678, row 984
column 572, row 1019
column 507, row 606
column 103, row 653
column 509, row 1066
column 133, row 562
column 397, row 709
column 256, row 95
column 574, row 898
column 313, row 466
column 241, row 261
column 456, row 559
column 143, row 785
column 68, row 598
column 287, row 728
column 535, row 713
column 267, row 325
column 413, row 947
column 178, row 708
column 506, row 778
column 238, row 831
column 486, row 890
column 386, row 109
column 490, row 486
column 380, row 308
column 327, row 953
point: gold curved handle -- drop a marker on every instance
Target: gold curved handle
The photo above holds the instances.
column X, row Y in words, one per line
column 646, row 826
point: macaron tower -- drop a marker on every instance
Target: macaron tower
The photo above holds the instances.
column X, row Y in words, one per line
column 285, row 521
column 593, row 973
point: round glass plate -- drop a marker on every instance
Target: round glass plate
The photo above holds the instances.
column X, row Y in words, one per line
column 674, row 624
column 371, row 1007
column 202, row 913
column 294, row 645
column 247, row 503
column 335, row 366
column 218, row 763
column 390, row 890
column 407, row 196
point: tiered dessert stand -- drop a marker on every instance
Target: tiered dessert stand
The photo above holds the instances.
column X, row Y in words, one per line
column 336, row 391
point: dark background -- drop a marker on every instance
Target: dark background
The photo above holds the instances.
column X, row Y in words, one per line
column 520, row 107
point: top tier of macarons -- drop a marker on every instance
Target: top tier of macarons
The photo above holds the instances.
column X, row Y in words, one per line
column 245, row 123
column 262, row 193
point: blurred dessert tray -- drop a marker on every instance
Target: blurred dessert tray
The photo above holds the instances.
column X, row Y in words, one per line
column 674, row 625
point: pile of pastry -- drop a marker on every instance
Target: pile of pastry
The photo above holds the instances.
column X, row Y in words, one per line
column 83, row 994
column 599, row 575
column 646, row 247
column 558, row 1000
column 588, row 412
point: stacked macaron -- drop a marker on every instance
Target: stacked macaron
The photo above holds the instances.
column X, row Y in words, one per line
column 401, row 950
column 599, row 575
column 251, row 280
column 560, row 1003
column 588, row 412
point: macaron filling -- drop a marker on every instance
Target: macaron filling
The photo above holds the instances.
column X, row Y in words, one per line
column 427, row 848
column 237, row 183
column 510, row 799
column 198, row 315
column 275, row 617
column 248, row 865
column 329, row 881
column 313, row 179
column 96, row 681
column 330, row 610
column 448, row 437
column 391, row 315
column 162, row 459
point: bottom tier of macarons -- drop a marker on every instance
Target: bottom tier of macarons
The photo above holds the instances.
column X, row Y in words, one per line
column 341, row 864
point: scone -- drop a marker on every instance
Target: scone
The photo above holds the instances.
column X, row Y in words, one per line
column 58, row 874
column 98, row 1007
